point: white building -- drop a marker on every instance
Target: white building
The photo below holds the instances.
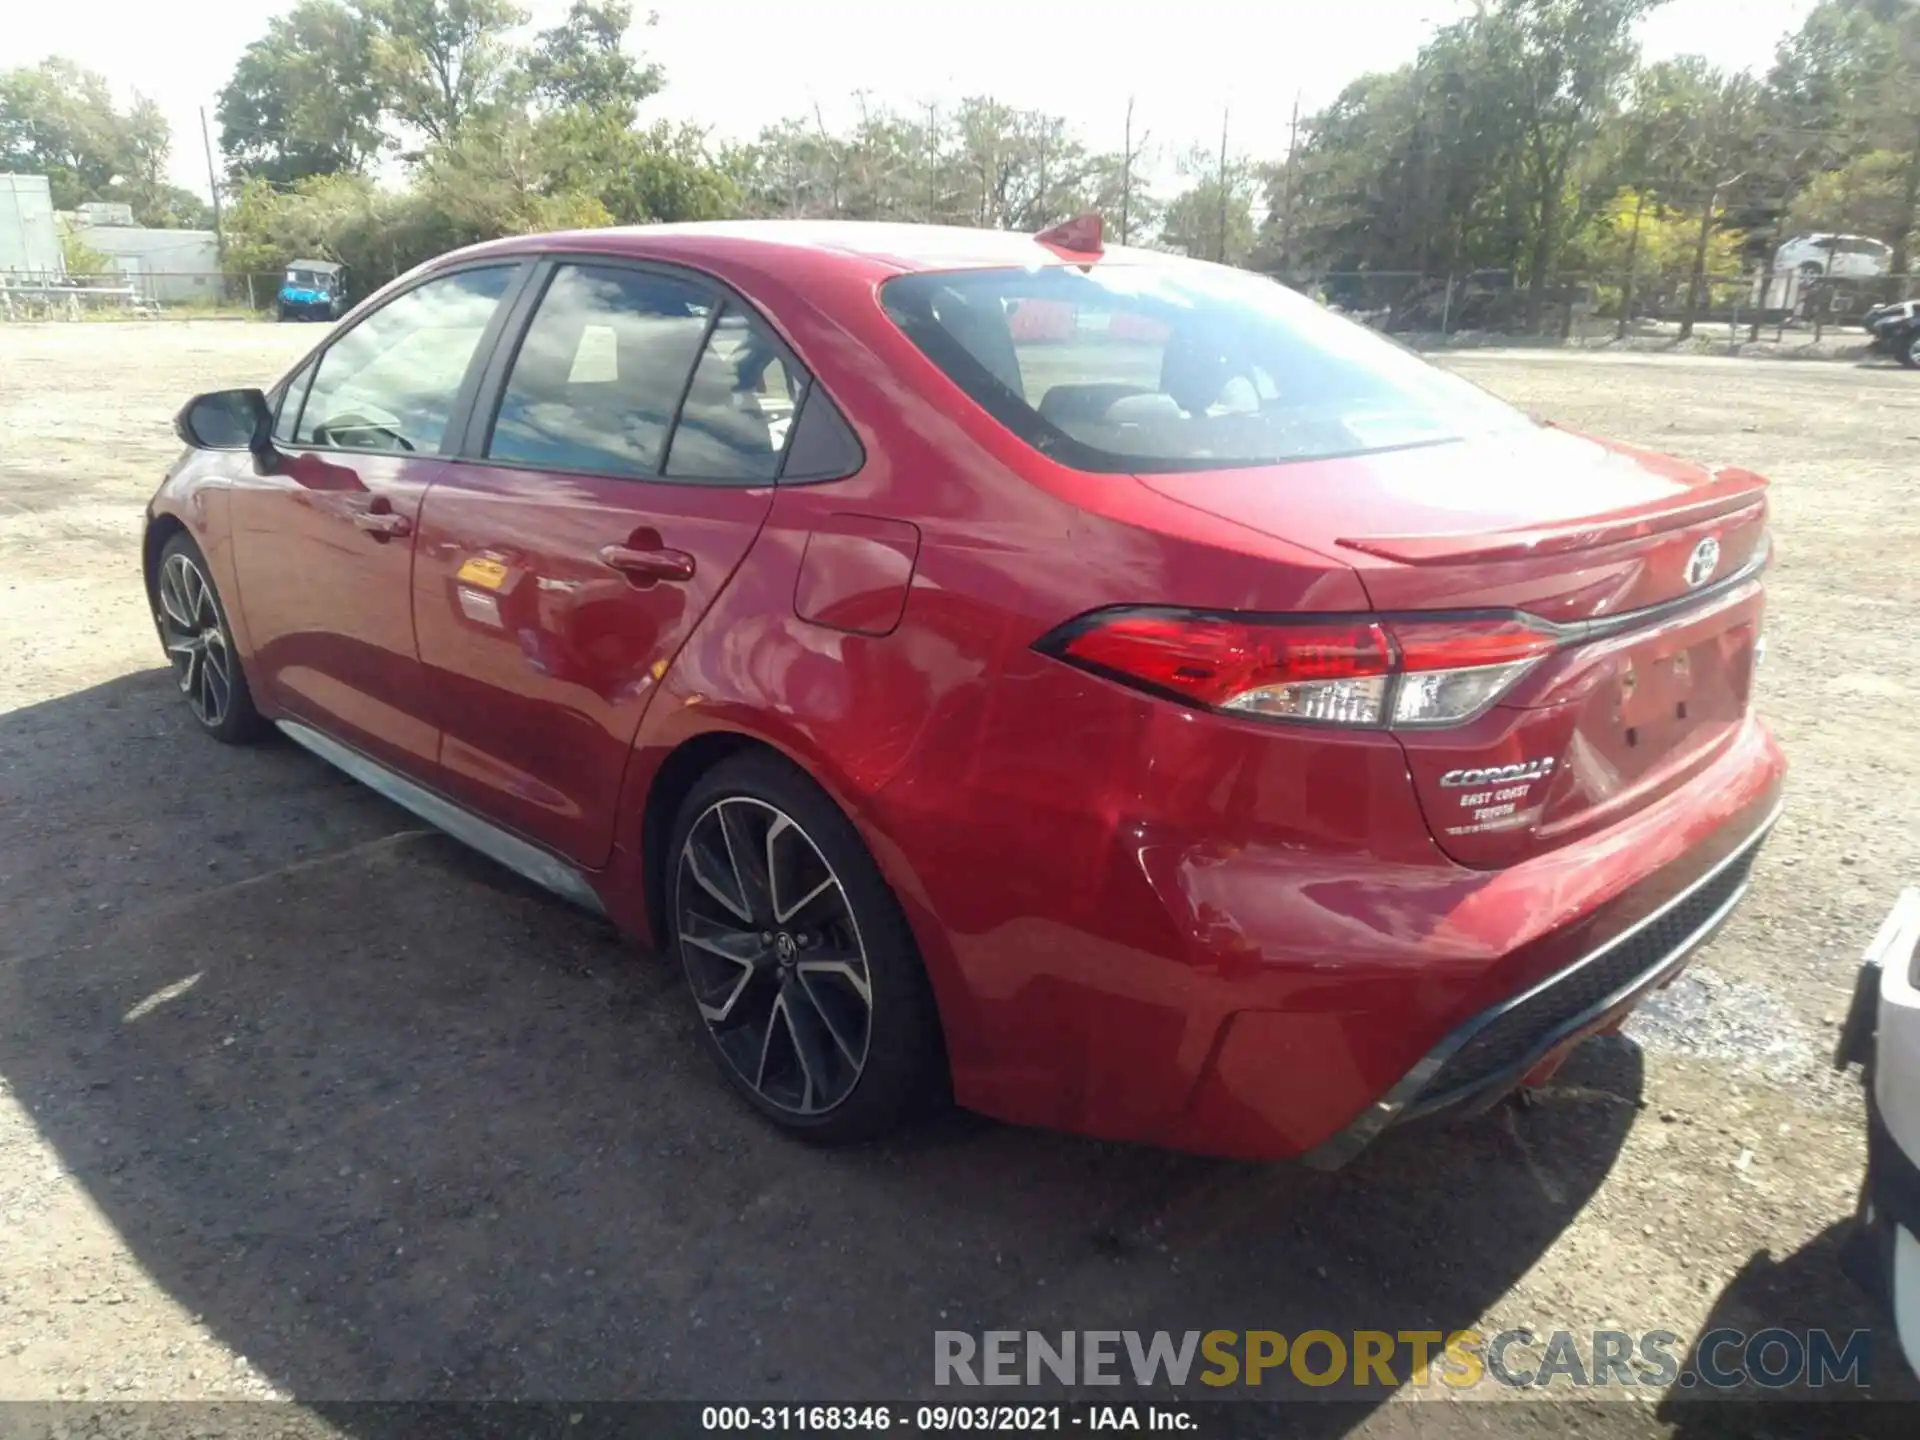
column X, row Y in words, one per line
column 29, row 239
column 169, row 266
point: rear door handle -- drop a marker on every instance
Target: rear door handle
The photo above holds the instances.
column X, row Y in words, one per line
column 646, row 566
column 383, row 524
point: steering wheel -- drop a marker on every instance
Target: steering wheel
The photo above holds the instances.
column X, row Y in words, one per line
column 336, row 429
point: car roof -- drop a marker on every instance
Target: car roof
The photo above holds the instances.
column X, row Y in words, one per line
column 876, row 247
column 313, row 264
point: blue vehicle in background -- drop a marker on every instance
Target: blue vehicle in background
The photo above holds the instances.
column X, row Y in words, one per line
column 314, row 290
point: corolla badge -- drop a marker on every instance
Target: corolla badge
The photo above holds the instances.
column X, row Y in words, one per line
column 1703, row 562
column 1498, row 774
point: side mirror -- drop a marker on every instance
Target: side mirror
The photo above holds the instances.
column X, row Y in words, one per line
column 229, row 420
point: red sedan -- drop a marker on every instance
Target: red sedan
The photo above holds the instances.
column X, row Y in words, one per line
column 1178, row 715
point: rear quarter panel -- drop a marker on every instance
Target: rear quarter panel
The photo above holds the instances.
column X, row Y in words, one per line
column 995, row 826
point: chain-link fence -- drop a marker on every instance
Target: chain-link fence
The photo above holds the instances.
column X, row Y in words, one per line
column 129, row 295
column 1619, row 306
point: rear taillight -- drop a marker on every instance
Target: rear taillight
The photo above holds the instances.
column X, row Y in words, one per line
column 1397, row 673
column 1452, row 669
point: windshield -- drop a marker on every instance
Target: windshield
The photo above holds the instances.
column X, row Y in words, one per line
column 1165, row 368
column 308, row 279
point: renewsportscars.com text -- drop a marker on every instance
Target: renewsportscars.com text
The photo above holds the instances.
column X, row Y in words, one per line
column 1458, row 1360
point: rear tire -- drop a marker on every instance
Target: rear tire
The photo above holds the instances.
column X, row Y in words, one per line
column 809, row 986
column 199, row 644
column 1908, row 350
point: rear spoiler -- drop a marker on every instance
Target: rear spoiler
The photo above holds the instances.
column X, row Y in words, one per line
column 1735, row 493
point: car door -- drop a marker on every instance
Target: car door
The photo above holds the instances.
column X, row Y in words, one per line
column 323, row 542
column 619, row 464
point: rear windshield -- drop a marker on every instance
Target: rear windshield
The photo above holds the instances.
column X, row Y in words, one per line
column 1169, row 368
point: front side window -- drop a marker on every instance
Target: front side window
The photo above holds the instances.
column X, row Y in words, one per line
column 391, row 381
column 1172, row 368
column 740, row 407
column 291, row 399
column 601, row 369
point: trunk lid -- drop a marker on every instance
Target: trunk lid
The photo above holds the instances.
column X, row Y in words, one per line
column 1648, row 564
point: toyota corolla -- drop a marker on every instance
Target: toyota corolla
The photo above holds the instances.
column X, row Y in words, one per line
column 1102, row 687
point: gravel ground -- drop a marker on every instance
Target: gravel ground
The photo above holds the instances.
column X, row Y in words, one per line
column 298, row 1100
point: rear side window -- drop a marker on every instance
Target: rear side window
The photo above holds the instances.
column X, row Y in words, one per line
column 1179, row 367
column 740, row 407
column 390, row 382
column 601, row 371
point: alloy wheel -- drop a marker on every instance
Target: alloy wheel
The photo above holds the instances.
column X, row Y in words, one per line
column 196, row 643
column 773, row 952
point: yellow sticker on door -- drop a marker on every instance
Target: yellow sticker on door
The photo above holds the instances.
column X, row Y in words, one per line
column 487, row 574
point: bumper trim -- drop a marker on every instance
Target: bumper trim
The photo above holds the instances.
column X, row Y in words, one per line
column 1398, row 1102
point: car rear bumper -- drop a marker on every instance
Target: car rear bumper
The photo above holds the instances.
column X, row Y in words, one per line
column 1487, row 1056
column 1567, row 944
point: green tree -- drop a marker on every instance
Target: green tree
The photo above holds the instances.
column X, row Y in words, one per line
column 502, row 176
column 59, row 120
column 579, row 64
column 301, row 101
column 1011, row 169
column 1847, row 85
column 170, row 207
column 1467, row 158
column 1696, row 134
column 1127, row 204
column 661, row 173
column 326, row 217
column 82, row 260
column 1866, row 196
column 1212, row 219
column 987, row 164
column 1650, row 245
column 788, row 170
column 1558, row 67
column 441, row 63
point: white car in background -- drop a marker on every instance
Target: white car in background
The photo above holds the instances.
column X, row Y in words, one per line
column 1882, row 1035
column 1837, row 257
column 1833, row 272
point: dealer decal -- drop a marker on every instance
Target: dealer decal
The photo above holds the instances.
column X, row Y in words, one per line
column 1498, row 806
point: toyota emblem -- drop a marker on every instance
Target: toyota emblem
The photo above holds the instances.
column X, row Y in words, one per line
column 1703, row 562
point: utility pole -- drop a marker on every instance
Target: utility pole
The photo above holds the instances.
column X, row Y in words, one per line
column 1044, row 212
column 1286, row 188
column 1126, row 171
column 927, row 151
column 1224, row 113
column 213, row 186
column 833, row 160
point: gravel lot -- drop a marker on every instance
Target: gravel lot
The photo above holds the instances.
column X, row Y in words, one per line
column 297, row 1099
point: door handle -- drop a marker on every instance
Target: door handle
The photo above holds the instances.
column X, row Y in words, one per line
column 382, row 524
column 647, row 566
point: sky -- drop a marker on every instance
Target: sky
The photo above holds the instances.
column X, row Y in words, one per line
column 735, row 65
